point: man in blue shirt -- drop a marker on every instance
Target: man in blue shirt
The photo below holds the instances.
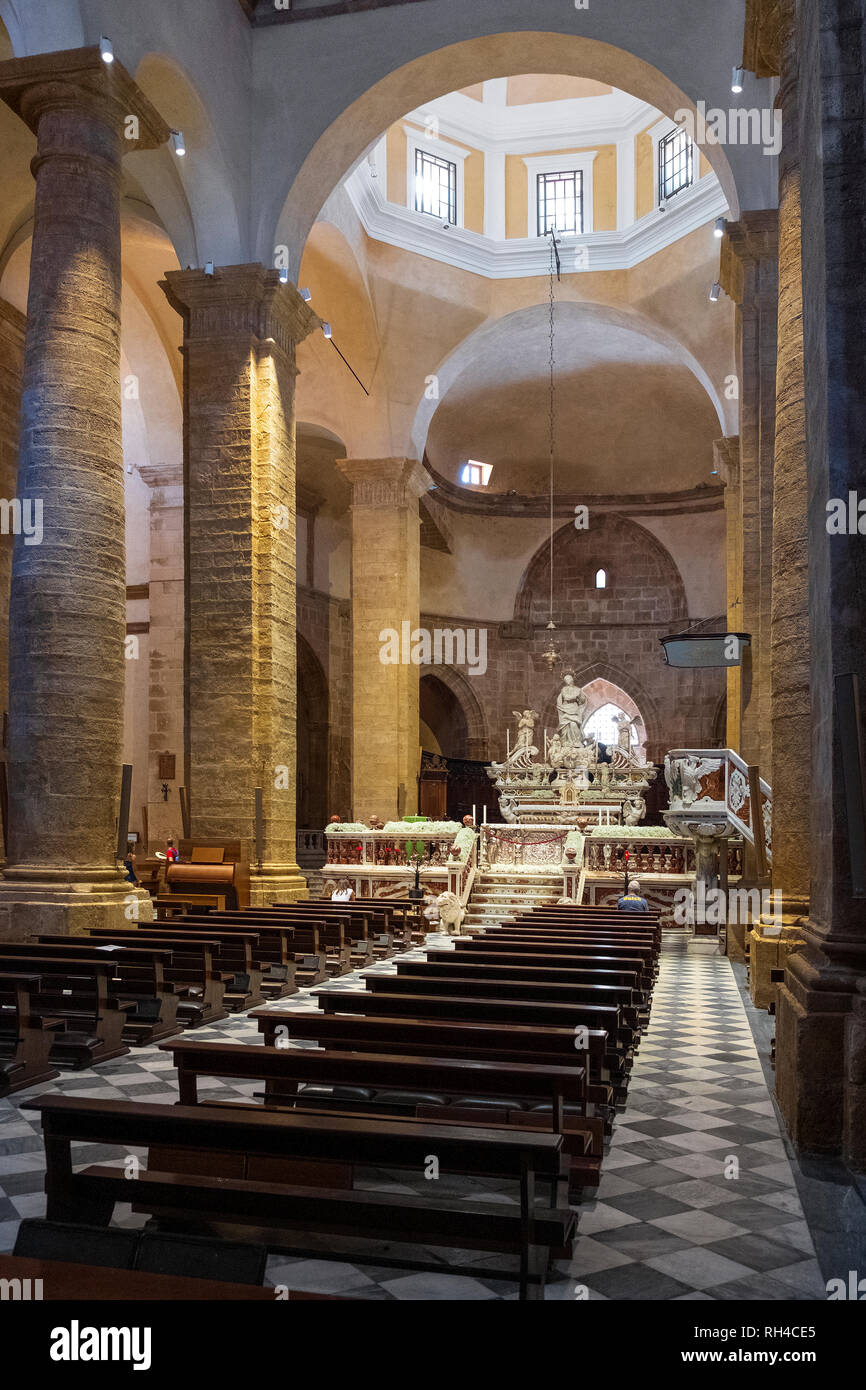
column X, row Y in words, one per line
column 632, row 900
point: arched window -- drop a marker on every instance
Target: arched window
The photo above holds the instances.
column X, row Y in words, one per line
column 600, row 725
column 601, row 579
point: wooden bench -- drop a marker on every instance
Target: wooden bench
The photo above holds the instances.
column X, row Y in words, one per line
column 513, row 990
column 575, row 956
column 78, row 992
column 63, row 1282
column 473, row 1091
column 311, row 934
column 193, row 1148
column 280, row 944
column 26, row 1034
column 233, row 956
column 138, row 980
column 198, row 981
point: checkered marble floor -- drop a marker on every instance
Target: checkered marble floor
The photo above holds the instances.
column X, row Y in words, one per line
column 697, row 1198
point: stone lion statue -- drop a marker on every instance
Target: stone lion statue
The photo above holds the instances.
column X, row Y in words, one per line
column 450, row 913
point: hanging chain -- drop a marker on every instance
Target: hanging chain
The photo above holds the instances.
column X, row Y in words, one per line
column 552, row 412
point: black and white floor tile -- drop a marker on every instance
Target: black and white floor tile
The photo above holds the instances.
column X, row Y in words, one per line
column 697, row 1198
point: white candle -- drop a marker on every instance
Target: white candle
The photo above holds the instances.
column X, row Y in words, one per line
column 507, row 743
column 485, row 813
column 473, row 813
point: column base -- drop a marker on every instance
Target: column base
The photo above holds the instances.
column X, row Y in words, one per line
column 277, row 883
column 820, row 1079
column 30, row 906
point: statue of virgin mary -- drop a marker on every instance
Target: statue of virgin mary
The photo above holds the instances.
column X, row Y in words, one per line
column 571, row 707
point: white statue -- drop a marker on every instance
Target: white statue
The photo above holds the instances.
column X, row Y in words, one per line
column 524, row 749
column 623, row 735
column 634, row 810
column 571, row 707
column 450, row 913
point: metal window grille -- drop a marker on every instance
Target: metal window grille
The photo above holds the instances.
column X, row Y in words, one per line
column 560, row 202
column 676, row 163
column 436, row 186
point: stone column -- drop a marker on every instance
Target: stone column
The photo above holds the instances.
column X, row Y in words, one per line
column 12, row 326
column 386, row 565
column 821, row 1011
column 750, row 277
column 241, row 327
column 166, row 613
column 67, row 609
column 726, row 453
column 771, row 49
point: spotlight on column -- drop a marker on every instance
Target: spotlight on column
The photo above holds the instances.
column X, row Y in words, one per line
column 715, row 292
column 177, row 143
column 284, row 276
column 208, row 267
column 306, row 296
column 719, row 229
column 326, row 329
column 105, row 49
column 737, row 80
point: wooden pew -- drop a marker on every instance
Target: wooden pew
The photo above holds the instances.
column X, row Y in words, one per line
column 472, row 948
column 518, row 989
column 78, row 992
column 138, row 981
column 198, row 981
column 504, row 1042
column 258, row 1146
column 372, row 1083
column 299, row 949
column 232, row 954
column 324, row 932
column 26, row 1034
column 64, row 1282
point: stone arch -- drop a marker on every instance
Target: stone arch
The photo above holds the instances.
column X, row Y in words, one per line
column 312, row 737
column 354, row 129
column 449, row 371
column 578, row 554
column 621, row 687
column 477, row 736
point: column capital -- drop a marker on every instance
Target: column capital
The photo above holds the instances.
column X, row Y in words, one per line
column 239, row 299
column 77, row 79
column 387, row 482
column 749, row 245
column 161, row 475
column 726, row 454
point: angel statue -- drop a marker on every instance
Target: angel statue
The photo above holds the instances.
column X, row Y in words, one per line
column 634, row 810
column 524, row 749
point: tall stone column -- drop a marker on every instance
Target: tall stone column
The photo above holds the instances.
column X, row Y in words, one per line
column 771, row 49
column 166, row 615
column 67, row 609
column 386, row 594
column 241, row 327
column 12, row 326
column 821, row 1010
column 726, row 453
column 750, row 277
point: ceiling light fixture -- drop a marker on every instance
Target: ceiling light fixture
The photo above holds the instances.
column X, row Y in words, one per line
column 550, row 656
column 737, row 80
column 719, row 228
column 177, row 143
column 106, row 50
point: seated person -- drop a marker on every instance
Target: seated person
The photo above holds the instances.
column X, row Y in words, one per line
column 343, row 893
column 632, row 900
column 431, row 910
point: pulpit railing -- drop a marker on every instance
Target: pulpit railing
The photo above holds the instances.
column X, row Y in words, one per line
column 714, row 785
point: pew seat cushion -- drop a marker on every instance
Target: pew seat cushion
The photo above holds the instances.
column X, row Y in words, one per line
column 488, row 1103
column 312, row 1091
column 388, row 1097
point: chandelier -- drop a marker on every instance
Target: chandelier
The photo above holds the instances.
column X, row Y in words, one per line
column 551, row 656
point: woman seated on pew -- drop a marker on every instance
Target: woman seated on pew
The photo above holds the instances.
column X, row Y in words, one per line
column 343, row 893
